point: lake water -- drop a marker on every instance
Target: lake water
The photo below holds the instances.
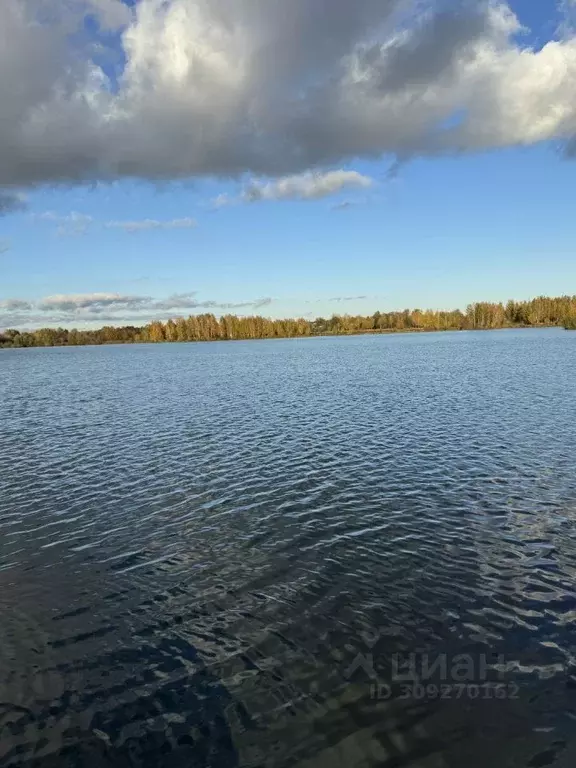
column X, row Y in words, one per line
column 225, row 554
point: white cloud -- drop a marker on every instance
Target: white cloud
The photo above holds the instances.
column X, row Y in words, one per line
column 178, row 301
column 305, row 186
column 147, row 224
column 115, row 308
column 221, row 201
column 188, row 301
column 73, row 223
column 4, row 246
column 567, row 10
column 9, row 305
column 93, row 301
column 311, row 185
column 268, row 88
column 112, row 14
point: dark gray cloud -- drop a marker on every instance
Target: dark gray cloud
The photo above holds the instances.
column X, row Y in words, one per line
column 268, row 88
column 343, row 206
column 446, row 40
column 264, row 302
column 11, row 202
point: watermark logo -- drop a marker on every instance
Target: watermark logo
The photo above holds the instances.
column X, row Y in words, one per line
column 432, row 675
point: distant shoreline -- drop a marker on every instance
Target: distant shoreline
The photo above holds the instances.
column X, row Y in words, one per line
column 377, row 332
column 374, row 332
column 541, row 312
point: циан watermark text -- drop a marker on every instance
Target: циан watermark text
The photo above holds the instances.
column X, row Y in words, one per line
column 431, row 676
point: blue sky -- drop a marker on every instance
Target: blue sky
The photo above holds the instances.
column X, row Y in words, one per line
column 444, row 231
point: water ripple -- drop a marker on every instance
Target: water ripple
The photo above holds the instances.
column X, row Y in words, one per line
column 214, row 554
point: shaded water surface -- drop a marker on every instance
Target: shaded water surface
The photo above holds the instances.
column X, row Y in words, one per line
column 225, row 554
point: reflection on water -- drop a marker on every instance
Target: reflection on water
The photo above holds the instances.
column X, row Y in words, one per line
column 216, row 554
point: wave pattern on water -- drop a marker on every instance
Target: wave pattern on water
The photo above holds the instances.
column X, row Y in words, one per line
column 210, row 554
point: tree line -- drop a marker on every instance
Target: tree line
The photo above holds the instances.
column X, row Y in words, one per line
column 541, row 311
